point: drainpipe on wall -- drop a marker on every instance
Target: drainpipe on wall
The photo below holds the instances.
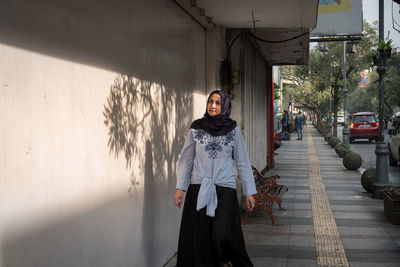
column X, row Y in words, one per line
column 271, row 121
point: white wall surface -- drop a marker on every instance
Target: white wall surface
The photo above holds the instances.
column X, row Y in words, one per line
column 95, row 100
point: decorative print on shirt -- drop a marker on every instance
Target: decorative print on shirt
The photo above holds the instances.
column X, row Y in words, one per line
column 213, row 144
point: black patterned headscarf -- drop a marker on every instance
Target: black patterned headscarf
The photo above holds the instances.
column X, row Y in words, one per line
column 220, row 124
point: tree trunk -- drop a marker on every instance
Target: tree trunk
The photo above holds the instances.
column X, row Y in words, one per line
column 335, row 108
column 319, row 123
column 321, row 126
column 313, row 117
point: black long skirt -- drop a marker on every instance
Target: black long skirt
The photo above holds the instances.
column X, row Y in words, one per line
column 206, row 241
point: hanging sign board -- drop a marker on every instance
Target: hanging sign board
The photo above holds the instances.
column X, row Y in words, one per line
column 339, row 17
column 364, row 79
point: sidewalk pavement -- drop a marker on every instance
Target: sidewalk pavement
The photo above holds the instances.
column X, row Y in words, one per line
column 329, row 219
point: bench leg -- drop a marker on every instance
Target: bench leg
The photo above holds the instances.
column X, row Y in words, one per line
column 279, row 201
column 271, row 215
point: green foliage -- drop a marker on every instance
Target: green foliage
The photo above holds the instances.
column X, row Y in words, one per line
column 328, row 137
column 342, row 149
column 385, row 45
column 277, row 93
column 334, row 141
column 392, row 88
column 366, row 99
column 322, row 79
column 393, row 191
column 368, row 179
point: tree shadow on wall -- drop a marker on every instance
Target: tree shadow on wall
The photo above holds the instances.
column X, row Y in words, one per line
column 148, row 124
column 139, row 111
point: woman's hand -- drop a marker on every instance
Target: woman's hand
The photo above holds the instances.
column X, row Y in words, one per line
column 178, row 198
column 251, row 202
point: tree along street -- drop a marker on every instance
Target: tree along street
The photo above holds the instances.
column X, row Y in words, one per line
column 367, row 152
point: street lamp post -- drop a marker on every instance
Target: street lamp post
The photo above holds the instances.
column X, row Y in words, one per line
column 330, row 115
column 381, row 150
column 346, row 131
column 323, row 47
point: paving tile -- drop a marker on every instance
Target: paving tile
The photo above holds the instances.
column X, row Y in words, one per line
column 296, row 206
column 269, row 262
column 301, row 263
column 351, row 202
column 356, row 208
column 298, row 196
column 304, row 241
column 396, row 240
column 293, row 220
column 297, row 191
column 373, row 256
column 377, row 232
column 286, row 252
column 298, row 213
column 268, row 240
column 373, row 264
column 376, row 222
column 295, row 200
column 265, row 229
column 358, row 216
column 307, row 229
column 369, row 243
column 338, row 192
column 345, row 197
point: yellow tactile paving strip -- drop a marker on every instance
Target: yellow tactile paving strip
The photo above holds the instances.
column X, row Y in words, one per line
column 330, row 250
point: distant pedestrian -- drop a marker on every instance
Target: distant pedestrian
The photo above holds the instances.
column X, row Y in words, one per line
column 298, row 123
column 386, row 119
column 285, row 121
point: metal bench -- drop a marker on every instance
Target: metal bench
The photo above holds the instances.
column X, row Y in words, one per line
column 268, row 191
column 278, row 137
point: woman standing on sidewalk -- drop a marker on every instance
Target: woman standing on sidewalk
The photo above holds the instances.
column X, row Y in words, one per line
column 211, row 233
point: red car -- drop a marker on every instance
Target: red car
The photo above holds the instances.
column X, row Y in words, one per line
column 363, row 125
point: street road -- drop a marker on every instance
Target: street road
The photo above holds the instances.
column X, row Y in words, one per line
column 367, row 152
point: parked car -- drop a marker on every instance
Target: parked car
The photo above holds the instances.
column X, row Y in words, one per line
column 394, row 145
column 348, row 117
column 363, row 125
column 340, row 119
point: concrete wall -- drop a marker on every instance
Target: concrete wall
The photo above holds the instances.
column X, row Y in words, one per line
column 96, row 99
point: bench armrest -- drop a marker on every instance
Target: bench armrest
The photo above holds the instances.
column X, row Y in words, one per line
column 261, row 180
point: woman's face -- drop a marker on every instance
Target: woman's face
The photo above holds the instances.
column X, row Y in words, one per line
column 214, row 105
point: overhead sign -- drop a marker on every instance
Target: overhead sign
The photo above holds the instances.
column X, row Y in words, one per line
column 339, row 17
column 364, row 79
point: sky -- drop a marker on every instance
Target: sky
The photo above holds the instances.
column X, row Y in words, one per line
column 371, row 14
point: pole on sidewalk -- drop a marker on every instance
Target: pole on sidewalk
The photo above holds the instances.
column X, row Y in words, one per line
column 381, row 150
column 330, row 116
column 345, row 131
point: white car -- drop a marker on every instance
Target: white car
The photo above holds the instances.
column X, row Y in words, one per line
column 394, row 146
column 340, row 119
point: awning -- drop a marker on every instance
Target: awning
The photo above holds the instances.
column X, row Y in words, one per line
column 271, row 20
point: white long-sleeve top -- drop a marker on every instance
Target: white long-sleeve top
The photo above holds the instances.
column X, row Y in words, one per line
column 208, row 160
